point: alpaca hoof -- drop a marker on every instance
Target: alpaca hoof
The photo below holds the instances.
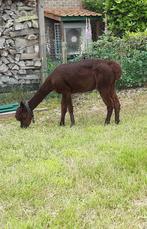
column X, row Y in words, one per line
column 107, row 123
column 72, row 124
column 62, row 124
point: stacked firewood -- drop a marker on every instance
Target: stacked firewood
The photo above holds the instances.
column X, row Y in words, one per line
column 19, row 44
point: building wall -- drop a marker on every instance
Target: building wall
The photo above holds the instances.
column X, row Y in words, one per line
column 19, row 45
column 63, row 3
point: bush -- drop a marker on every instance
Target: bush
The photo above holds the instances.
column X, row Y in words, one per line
column 131, row 54
column 126, row 15
column 134, row 68
column 122, row 15
column 51, row 65
column 137, row 40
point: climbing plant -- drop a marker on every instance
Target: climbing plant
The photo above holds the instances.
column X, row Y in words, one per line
column 122, row 15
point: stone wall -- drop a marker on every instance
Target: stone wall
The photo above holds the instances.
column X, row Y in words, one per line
column 63, row 3
column 19, row 45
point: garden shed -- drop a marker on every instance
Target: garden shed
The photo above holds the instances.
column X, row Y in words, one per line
column 69, row 27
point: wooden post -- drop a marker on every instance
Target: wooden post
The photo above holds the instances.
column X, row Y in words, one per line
column 106, row 23
column 63, row 43
column 64, row 52
column 42, row 40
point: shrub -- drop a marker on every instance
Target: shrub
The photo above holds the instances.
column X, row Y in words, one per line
column 52, row 64
column 122, row 15
column 131, row 54
column 126, row 15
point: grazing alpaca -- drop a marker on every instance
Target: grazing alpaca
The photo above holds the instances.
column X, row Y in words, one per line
column 67, row 79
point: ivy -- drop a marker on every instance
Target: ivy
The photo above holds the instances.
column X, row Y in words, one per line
column 122, row 15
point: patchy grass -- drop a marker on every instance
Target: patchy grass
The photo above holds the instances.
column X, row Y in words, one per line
column 88, row 176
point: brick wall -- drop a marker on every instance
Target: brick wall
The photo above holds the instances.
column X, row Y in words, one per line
column 63, row 3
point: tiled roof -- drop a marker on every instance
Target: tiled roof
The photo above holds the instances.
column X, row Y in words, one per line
column 69, row 12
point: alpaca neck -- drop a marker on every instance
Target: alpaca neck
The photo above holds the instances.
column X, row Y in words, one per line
column 44, row 90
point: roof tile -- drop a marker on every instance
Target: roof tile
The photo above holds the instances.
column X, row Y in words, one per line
column 71, row 12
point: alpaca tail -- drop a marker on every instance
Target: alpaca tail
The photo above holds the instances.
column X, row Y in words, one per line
column 116, row 68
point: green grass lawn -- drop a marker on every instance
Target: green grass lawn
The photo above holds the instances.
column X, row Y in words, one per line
column 88, row 176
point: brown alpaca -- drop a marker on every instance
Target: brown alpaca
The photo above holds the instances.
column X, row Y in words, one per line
column 67, row 79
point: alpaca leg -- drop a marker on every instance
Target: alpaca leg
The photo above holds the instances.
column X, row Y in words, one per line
column 63, row 110
column 109, row 103
column 70, row 109
column 116, row 107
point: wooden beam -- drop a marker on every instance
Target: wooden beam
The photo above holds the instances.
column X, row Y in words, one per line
column 7, row 115
column 26, row 18
column 54, row 17
column 23, row 32
column 29, row 56
column 42, row 40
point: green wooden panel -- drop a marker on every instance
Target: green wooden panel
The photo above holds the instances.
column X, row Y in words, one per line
column 78, row 18
column 8, row 107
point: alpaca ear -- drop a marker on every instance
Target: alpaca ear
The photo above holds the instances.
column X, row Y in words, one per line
column 22, row 104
